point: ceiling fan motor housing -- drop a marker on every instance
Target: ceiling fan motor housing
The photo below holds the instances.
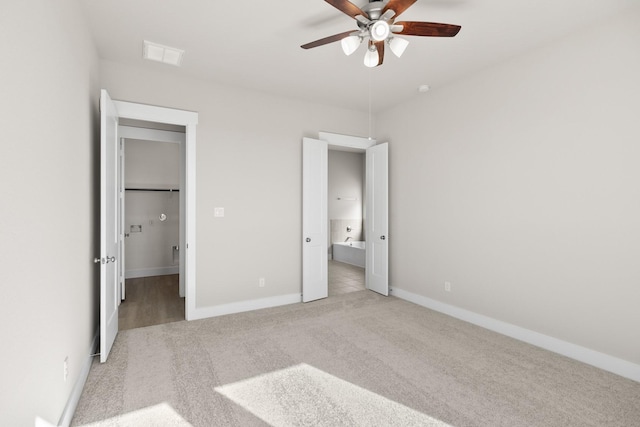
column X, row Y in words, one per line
column 374, row 9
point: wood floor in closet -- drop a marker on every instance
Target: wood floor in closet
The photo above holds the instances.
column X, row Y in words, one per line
column 151, row 301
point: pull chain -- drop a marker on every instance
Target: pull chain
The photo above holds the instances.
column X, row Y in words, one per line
column 370, row 78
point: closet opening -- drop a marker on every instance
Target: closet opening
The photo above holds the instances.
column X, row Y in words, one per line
column 152, row 218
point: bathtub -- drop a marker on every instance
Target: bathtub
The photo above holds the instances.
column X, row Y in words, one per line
column 349, row 253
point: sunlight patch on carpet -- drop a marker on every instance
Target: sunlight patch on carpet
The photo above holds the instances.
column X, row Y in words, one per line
column 304, row 395
column 161, row 415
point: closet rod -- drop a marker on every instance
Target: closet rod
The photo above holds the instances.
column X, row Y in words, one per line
column 152, row 189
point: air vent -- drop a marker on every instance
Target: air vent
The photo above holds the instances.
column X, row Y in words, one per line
column 157, row 52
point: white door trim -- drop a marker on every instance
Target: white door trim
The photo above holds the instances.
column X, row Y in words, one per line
column 172, row 137
column 188, row 119
column 154, row 135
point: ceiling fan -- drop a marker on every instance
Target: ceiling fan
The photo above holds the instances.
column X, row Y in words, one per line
column 377, row 27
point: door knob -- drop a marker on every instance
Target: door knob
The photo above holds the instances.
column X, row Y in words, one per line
column 382, row 237
column 308, row 239
column 98, row 260
column 112, row 259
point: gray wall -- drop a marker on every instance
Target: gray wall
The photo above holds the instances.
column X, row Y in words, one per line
column 151, row 165
column 346, row 181
column 520, row 186
column 346, row 173
column 48, row 104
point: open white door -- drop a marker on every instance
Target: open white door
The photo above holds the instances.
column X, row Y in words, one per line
column 377, row 222
column 109, row 292
column 315, row 283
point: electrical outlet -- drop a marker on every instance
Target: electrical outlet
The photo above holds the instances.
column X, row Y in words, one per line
column 447, row 286
column 261, row 282
column 65, row 371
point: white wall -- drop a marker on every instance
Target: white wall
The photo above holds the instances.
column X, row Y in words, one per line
column 48, row 215
column 249, row 161
column 151, row 165
column 520, row 186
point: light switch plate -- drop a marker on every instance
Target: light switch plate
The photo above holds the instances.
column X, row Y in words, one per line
column 218, row 212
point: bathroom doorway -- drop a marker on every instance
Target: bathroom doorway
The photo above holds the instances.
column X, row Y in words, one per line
column 152, row 168
column 316, row 243
column 345, row 203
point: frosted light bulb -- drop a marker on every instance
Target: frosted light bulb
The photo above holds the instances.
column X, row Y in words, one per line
column 398, row 46
column 350, row 44
column 371, row 58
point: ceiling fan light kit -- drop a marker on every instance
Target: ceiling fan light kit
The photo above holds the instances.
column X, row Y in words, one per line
column 371, row 58
column 350, row 44
column 377, row 26
column 398, row 45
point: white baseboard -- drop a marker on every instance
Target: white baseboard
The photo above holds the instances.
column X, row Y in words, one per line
column 600, row 360
column 242, row 306
column 149, row 272
column 74, row 398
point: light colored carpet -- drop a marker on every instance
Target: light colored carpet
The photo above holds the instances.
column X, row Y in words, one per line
column 389, row 350
column 161, row 415
column 303, row 395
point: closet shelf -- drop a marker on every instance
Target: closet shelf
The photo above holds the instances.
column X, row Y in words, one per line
column 153, row 189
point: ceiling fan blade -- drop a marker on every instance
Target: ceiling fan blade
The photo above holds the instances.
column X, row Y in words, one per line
column 327, row 40
column 398, row 6
column 380, row 47
column 347, row 7
column 430, row 29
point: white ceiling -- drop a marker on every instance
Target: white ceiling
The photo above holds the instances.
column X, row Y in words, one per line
column 255, row 44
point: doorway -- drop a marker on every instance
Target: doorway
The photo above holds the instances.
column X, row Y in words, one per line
column 315, row 222
column 112, row 192
column 152, row 172
column 345, row 203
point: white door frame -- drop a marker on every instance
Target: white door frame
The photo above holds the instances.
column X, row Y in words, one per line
column 154, row 135
column 121, row 223
column 188, row 119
